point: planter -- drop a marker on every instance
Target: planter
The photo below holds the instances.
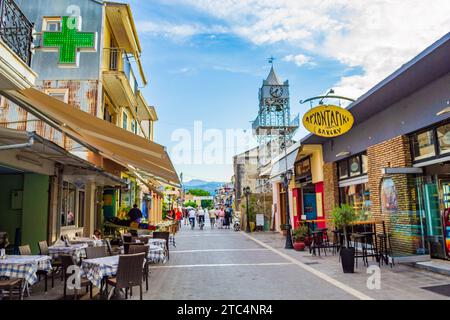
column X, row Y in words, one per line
column 252, row 226
column 348, row 259
column 299, row 246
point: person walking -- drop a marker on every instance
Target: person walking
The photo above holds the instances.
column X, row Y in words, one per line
column 192, row 216
column 212, row 218
column 228, row 216
column 201, row 218
column 221, row 218
column 179, row 217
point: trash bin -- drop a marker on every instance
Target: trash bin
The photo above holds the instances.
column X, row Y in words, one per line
column 266, row 224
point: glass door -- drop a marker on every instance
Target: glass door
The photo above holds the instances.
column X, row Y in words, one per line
column 445, row 209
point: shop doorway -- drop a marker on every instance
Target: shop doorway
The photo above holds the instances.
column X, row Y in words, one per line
column 310, row 204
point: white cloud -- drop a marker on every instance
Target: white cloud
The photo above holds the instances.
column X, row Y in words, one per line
column 179, row 30
column 299, row 60
column 377, row 35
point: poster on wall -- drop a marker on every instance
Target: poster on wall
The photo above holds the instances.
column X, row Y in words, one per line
column 388, row 196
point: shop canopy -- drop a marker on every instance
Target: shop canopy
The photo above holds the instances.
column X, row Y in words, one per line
column 37, row 149
column 113, row 142
column 282, row 161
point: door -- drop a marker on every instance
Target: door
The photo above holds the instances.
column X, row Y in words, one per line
column 444, row 186
column 310, row 207
column 435, row 231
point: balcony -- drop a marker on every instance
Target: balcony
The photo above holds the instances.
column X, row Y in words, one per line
column 16, row 38
column 267, row 123
column 119, row 79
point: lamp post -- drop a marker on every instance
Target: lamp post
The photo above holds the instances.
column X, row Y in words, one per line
column 287, row 176
column 247, row 193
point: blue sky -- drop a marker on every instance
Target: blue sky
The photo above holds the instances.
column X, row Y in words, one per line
column 206, row 59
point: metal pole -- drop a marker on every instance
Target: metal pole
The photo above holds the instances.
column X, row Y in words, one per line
column 289, row 244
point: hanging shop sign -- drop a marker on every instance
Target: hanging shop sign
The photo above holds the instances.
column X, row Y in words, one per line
column 328, row 121
column 69, row 41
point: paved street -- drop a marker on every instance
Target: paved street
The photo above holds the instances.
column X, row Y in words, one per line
column 223, row 264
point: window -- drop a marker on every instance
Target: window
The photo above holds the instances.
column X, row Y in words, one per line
column 355, row 166
column 68, row 205
column 443, row 135
column 343, row 169
column 125, row 121
column 133, row 126
column 51, row 24
column 423, row 145
column 357, row 196
column 60, row 94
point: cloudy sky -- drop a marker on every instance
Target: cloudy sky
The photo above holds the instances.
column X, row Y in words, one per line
column 206, row 58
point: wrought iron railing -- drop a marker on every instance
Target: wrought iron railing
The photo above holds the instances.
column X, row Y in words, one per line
column 265, row 122
column 16, row 30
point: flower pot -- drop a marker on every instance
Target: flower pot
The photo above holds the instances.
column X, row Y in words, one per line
column 348, row 259
column 299, row 246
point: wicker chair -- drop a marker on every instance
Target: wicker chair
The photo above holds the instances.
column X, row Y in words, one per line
column 111, row 251
column 95, row 252
column 56, row 264
column 142, row 249
column 127, row 245
column 129, row 274
column 26, row 251
column 10, row 285
column 165, row 236
column 67, row 261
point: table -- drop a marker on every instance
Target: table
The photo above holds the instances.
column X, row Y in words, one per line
column 158, row 242
column 98, row 269
column 171, row 238
column 89, row 241
column 76, row 250
column 157, row 254
column 24, row 267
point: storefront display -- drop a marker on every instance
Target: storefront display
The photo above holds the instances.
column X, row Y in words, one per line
column 358, row 196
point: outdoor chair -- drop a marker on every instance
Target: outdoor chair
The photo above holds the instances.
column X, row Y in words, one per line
column 144, row 240
column 127, row 245
column 165, row 236
column 95, row 252
column 142, row 249
column 56, row 264
column 67, row 261
column 10, row 285
column 26, row 251
column 129, row 274
column 111, row 251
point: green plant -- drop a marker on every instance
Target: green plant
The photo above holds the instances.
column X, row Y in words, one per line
column 300, row 233
column 343, row 216
column 190, row 203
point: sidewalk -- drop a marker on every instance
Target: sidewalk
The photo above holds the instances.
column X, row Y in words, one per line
column 437, row 266
column 400, row 282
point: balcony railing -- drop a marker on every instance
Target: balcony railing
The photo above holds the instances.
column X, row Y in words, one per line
column 268, row 123
column 118, row 61
column 15, row 30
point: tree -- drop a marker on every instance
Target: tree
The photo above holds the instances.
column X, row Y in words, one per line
column 199, row 193
column 190, row 203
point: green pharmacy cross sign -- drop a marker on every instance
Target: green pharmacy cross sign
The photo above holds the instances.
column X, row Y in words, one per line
column 70, row 41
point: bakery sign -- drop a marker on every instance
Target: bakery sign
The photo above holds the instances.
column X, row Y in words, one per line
column 328, row 121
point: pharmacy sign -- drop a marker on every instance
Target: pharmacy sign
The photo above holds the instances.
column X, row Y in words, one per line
column 69, row 42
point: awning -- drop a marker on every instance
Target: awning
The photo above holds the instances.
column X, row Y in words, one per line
column 40, row 149
column 288, row 161
column 111, row 141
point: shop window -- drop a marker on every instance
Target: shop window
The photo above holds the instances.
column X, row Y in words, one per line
column 357, row 196
column 355, row 166
column 443, row 134
column 423, row 145
column 343, row 169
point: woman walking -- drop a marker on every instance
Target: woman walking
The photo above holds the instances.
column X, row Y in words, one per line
column 221, row 217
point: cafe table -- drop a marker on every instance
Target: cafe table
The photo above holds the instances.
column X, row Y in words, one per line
column 77, row 251
column 24, row 267
column 99, row 268
column 89, row 241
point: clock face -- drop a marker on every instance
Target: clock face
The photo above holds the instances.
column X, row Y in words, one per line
column 276, row 91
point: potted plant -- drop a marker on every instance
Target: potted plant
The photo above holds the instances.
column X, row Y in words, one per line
column 299, row 236
column 283, row 228
column 343, row 216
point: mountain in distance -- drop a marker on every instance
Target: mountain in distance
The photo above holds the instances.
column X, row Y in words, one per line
column 204, row 185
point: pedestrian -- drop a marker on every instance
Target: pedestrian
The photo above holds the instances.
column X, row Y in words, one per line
column 212, row 218
column 192, row 216
column 135, row 214
column 178, row 216
column 228, row 216
column 201, row 217
column 221, row 218
column 186, row 216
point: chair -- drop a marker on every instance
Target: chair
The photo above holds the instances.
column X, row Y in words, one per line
column 144, row 240
column 67, row 261
column 165, row 236
column 95, row 252
column 129, row 274
column 142, row 249
column 26, row 251
column 111, row 251
column 56, row 264
column 10, row 285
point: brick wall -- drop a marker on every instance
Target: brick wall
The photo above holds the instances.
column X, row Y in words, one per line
column 330, row 187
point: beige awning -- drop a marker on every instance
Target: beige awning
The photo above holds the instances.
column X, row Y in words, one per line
column 113, row 142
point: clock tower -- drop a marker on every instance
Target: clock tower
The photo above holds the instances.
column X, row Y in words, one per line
column 274, row 116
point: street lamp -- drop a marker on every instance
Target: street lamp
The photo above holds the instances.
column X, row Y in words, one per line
column 247, row 193
column 286, row 179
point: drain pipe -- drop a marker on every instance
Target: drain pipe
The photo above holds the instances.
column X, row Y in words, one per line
column 28, row 144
